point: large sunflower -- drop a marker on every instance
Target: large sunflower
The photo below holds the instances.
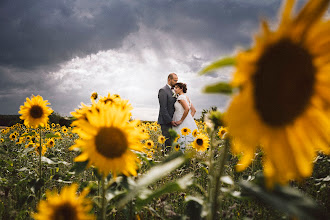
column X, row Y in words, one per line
column 284, row 86
column 201, row 142
column 107, row 138
column 66, row 205
column 35, row 111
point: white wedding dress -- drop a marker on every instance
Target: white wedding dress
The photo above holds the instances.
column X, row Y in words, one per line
column 188, row 122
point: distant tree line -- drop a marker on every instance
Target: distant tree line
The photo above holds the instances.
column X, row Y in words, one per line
column 10, row 120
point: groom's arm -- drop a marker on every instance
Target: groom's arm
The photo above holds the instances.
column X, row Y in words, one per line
column 162, row 97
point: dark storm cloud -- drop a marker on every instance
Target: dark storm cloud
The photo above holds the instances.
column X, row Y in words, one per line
column 221, row 22
column 48, row 32
column 38, row 33
column 38, row 36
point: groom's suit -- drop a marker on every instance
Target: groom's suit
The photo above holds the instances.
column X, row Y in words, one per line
column 166, row 111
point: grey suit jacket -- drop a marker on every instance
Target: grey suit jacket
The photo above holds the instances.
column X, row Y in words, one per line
column 166, row 103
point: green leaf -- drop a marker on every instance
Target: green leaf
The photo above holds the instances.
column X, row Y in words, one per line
column 221, row 87
column 79, row 167
column 146, row 195
column 286, row 199
column 2, row 151
column 154, row 174
column 227, row 61
column 47, row 160
column 22, row 169
column 194, row 207
column 51, row 135
column 29, row 134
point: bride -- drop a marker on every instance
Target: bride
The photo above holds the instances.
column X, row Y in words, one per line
column 184, row 114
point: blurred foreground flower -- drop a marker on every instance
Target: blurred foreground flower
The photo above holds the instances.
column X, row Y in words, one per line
column 66, row 205
column 284, row 89
column 35, row 111
column 107, row 138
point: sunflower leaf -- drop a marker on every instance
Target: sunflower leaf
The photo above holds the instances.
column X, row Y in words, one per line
column 226, row 61
column 194, row 207
column 287, row 199
column 29, row 134
column 220, row 87
column 51, row 135
column 47, row 160
column 153, row 175
column 146, row 195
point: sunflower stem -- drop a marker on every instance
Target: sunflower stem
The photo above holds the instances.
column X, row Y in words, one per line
column 40, row 150
column 103, row 212
column 217, row 175
column 40, row 170
column 209, row 197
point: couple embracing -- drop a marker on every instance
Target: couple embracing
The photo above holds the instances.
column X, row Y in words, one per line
column 176, row 110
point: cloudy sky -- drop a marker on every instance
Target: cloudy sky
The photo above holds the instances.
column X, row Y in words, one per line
column 64, row 50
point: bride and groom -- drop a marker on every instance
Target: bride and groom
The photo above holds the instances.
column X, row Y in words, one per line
column 176, row 110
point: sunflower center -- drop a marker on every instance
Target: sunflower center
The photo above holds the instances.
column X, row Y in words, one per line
column 65, row 212
column 199, row 141
column 111, row 142
column 36, row 111
column 284, row 82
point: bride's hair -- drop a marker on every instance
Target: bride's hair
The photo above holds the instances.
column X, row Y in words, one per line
column 182, row 86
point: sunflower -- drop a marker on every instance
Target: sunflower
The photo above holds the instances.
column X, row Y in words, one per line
column 2, row 140
column 30, row 144
column 35, row 111
column 201, row 142
column 43, row 149
column 66, row 205
column 116, row 100
column 149, row 144
column 221, row 132
column 94, row 96
column 107, row 138
column 177, row 147
column 80, row 113
column 161, row 139
column 64, row 129
column 50, row 142
column 177, row 138
column 143, row 129
column 194, row 133
column 12, row 137
column 284, row 89
column 28, row 138
column 57, row 134
column 185, row 131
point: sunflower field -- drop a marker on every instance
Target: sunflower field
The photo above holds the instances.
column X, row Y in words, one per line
column 134, row 176
column 266, row 157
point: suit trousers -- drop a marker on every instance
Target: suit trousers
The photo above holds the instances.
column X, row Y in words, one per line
column 166, row 133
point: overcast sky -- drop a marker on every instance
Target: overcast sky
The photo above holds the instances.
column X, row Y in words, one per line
column 64, row 50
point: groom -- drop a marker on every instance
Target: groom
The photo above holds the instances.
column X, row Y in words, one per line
column 166, row 110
